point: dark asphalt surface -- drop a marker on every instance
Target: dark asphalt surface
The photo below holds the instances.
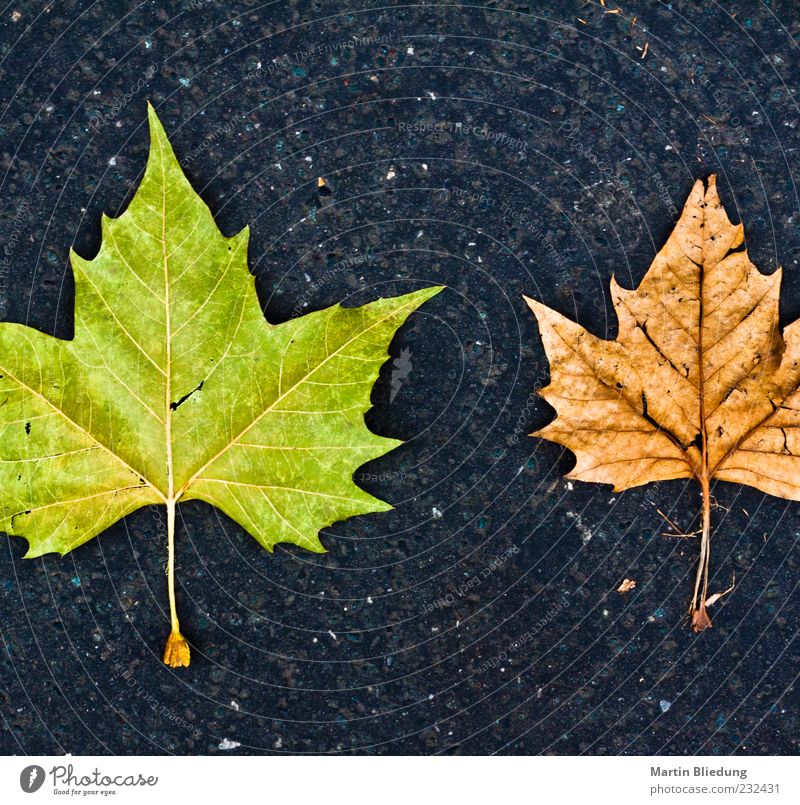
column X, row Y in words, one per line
column 498, row 148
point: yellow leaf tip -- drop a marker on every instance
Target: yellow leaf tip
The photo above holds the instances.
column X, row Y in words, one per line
column 155, row 124
column 432, row 290
column 417, row 298
column 176, row 652
column 74, row 257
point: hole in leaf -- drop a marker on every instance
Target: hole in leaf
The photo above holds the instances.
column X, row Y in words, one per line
column 174, row 405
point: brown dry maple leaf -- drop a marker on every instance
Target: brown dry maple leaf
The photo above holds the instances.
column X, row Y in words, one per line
column 699, row 382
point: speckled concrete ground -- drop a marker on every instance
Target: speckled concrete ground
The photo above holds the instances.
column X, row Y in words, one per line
column 514, row 148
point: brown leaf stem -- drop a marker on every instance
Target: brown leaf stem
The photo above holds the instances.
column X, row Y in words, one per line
column 700, row 618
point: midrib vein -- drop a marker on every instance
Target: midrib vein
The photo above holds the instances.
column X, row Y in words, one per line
column 168, row 333
column 702, row 475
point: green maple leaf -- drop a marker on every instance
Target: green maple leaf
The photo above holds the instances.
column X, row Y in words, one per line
column 176, row 388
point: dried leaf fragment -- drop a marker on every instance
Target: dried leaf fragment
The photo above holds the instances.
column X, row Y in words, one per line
column 712, row 599
column 699, row 383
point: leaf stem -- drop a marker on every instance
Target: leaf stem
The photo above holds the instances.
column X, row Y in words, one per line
column 173, row 610
column 697, row 610
column 176, row 652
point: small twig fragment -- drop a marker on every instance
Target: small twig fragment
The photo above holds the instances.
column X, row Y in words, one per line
column 712, row 599
column 668, row 520
column 676, row 531
column 716, row 505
